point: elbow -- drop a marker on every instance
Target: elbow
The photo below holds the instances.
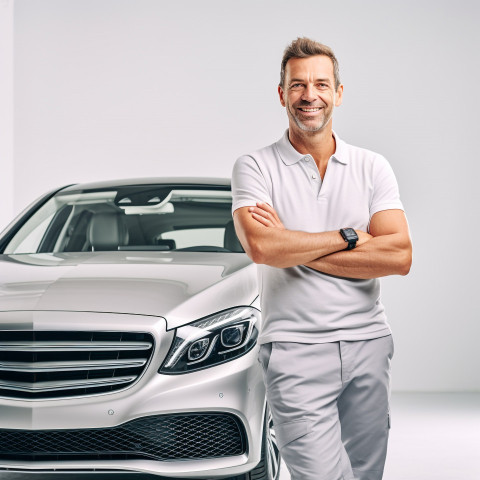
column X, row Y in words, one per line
column 405, row 263
column 256, row 256
column 261, row 248
column 259, row 254
column 252, row 246
column 405, row 269
column 255, row 252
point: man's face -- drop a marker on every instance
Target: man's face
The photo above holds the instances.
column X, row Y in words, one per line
column 309, row 93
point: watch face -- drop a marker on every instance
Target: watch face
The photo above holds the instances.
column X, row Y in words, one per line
column 350, row 236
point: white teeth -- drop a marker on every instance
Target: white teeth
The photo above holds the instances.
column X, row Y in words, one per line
column 310, row 109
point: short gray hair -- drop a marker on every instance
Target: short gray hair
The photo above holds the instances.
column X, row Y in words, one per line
column 304, row 47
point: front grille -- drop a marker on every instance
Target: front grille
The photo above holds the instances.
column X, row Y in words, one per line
column 159, row 437
column 40, row 365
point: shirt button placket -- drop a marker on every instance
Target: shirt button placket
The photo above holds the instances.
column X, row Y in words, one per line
column 314, row 175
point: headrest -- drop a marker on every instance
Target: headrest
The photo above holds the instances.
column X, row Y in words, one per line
column 230, row 239
column 107, row 231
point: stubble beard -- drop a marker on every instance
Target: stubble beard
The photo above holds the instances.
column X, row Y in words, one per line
column 313, row 128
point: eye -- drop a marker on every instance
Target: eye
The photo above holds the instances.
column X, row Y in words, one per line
column 296, row 85
column 322, row 85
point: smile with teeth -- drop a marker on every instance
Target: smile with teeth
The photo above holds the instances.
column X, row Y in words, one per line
column 309, row 109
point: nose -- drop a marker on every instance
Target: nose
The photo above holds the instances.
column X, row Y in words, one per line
column 309, row 93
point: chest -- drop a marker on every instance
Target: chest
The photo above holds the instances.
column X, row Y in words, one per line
column 306, row 202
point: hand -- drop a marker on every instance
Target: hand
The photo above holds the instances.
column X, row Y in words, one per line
column 266, row 215
column 363, row 237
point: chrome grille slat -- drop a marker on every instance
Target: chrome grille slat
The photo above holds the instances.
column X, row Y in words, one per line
column 52, row 364
column 63, row 385
column 72, row 346
column 71, row 366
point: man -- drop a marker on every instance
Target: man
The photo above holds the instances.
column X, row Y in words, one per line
column 302, row 209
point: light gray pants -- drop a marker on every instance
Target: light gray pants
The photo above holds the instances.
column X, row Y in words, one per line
column 330, row 406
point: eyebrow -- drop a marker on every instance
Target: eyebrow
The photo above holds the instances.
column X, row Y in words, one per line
column 293, row 80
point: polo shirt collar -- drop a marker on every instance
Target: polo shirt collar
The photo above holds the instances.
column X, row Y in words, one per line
column 290, row 156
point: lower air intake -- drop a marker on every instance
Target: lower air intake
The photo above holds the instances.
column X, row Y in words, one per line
column 159, row 437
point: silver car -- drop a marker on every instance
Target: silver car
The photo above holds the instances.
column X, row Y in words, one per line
column 129, row 317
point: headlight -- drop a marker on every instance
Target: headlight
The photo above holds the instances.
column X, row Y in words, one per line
column 212, row 340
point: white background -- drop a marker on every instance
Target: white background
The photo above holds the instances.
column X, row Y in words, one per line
column 98, row 89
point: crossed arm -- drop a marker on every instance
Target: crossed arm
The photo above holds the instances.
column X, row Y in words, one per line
column 387, row 250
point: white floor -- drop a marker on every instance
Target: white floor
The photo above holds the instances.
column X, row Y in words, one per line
column 433, row 437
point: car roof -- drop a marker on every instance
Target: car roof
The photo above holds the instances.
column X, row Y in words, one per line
column 193, row 181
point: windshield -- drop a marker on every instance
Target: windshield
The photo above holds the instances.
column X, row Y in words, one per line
column 144, row 217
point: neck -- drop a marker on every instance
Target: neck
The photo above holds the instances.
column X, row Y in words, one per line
column 320, row 145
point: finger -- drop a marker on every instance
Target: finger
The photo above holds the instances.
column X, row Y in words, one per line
column 262, row 220
column 272, row 217
column 262, row 212
column 268, row 208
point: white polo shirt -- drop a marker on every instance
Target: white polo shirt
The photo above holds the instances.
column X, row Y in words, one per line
column 300, row 304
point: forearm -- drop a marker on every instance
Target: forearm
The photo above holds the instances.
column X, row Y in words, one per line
column 267, row 241
column 287, row 248
column 380, row 256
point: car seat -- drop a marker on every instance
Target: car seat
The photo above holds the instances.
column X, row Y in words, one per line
column 107, row 231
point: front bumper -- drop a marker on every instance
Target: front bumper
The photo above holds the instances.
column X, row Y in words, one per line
column 234, row 388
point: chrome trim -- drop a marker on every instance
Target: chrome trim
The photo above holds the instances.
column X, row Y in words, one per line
column 73, row 365
column 63, row 384
column 41, row 365
column 39, row 346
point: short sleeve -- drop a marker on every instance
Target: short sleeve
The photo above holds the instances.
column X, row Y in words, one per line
column 248, row 184
column 385, row 194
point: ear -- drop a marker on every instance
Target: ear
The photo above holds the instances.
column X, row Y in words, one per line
column 339, row 95
column 280, row 94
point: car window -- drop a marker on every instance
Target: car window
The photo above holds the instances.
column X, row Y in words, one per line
column 145, row 217
column 30, row 243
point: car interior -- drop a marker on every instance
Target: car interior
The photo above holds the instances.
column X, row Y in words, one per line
column 131, row 218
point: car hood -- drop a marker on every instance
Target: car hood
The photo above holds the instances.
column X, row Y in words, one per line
column 179, row 286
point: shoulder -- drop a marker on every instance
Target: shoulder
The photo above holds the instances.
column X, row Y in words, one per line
column 362, row 154
column 262, row 161
column 366, row 159
column 260, row 156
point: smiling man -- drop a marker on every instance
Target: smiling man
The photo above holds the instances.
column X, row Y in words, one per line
column 323, row 219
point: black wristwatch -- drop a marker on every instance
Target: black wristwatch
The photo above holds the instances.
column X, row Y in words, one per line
column 350, row 236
